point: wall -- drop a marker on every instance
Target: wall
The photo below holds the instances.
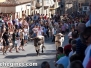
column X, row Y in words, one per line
column 7, row 9
column 25, row 8
column 85, row 11
column 84, row 7
column 69, row 8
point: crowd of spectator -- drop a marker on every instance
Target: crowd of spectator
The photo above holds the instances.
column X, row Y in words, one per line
column 76, row 54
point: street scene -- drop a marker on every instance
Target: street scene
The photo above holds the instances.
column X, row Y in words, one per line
column 45, row 34
column 29, row 56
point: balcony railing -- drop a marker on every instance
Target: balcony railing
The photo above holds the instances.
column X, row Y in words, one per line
column 38, row 5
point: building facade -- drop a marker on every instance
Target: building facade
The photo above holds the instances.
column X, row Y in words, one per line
column 19, row 8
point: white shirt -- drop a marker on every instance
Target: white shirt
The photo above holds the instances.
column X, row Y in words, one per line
column 25, row 23
column 39, row 32
column 18, row 42
column 70, row 35
column 16, row 21
column 54, row 31
column 35, row 30
column 20, row 22
column 87, row 56
column 75, row 24
column 25, row 32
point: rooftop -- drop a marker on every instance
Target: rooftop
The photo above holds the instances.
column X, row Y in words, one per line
column 14, row 2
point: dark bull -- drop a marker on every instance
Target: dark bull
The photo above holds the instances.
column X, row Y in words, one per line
column 39, row 44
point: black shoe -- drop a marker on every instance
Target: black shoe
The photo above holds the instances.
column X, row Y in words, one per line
column 38, row 52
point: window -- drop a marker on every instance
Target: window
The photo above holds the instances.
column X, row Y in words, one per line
column 37, row 0
column 40, row 1
column 85, row 8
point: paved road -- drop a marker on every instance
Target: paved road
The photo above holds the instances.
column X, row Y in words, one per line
column 29, row 55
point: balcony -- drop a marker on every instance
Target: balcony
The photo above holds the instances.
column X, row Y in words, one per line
column 38, row 5
column 48, row 3
column 33, row 7
column 52, row 7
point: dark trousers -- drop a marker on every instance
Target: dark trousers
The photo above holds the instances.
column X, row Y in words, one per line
column 47, row 34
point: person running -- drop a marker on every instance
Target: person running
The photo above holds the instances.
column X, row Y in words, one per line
column 35, row 29
column 5, row 41
column 13, row 41
column 59, row 53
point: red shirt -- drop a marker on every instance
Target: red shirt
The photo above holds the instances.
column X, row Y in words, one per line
column 67, row 47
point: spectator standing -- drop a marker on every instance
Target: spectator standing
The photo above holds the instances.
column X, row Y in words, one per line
column 86, row 35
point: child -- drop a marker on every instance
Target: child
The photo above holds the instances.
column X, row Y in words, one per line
column 14, row 42
column 59, row 53
column 22, row 42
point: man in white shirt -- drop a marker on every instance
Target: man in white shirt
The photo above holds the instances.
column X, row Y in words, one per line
column 35, row 29
column 16, row 23
column 40, row 31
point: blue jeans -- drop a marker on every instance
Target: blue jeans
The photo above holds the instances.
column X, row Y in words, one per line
column 25, row 37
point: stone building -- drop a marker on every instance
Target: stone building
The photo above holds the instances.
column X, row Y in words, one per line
column 20, row 8
column 71, row 6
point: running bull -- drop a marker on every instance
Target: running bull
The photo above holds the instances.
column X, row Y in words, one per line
column 59, row 39
column 39, row 44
